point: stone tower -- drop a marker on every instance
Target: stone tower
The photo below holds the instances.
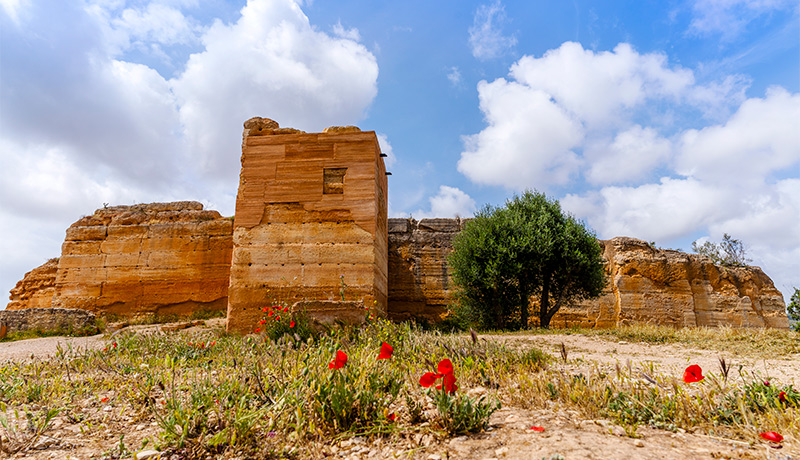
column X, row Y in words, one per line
column 310, row 224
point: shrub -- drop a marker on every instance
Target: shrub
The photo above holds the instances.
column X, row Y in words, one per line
column 505, row 256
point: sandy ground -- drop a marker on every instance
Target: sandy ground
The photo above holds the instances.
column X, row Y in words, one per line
column 567, row 433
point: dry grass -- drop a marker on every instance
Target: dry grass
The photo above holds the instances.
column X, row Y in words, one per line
column 261, row 398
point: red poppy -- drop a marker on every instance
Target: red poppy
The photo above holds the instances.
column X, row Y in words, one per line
column 262, row 322
column 339, row 362
column 104, row 400
column 766, row 383
column 693, row 374
column 291, row 323
column 211, row 344
column 386, row 351
column 265, row 309
column 782, row 396
column 286, row 309
column 445, row 372
column 771, row 436
column 391, row 417
column 270, row 313
column 258, row 329
column 537, row 428
column 114, row 344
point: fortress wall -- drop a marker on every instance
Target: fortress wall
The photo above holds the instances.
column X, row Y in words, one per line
column 310, row 222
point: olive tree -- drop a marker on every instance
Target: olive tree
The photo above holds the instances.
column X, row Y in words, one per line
column 528, row 249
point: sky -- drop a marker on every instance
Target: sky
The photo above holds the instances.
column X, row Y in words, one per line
column 671, row 121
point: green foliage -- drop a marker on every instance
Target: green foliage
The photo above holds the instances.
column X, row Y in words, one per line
column 793, row 309
column 459, row 414
column 730, row 252
column 530, row 248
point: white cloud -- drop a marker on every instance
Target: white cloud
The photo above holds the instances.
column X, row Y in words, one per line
column 486, row 38
column 762, row 137
column 729, row 18
column 449, row 202
column 386, row 148
column 284, row 69
column 350, row 34
column 629, row 157
column 667, row 210
column 96, row 128
column 527, row 140
column 156, row 23
column 454, row 75
column 12, row 8
column 601, row 87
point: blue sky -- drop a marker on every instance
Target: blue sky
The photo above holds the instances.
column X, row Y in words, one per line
column 669, row 121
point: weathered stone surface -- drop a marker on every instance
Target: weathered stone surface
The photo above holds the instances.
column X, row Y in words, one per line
column 648, row 285
column 310, row 223
column 164, row 258
column 419, row 281
column 36, row 289
column 46, row 319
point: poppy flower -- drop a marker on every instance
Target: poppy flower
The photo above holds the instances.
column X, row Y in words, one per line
column 104, row 400
column 286, row 309
column 445, row 372
column 270, row 313
column 386, row 351
column 291, row 323
column 262, row 322
column 537, row 428
column 258, row 329
column 339, row 362
column 771, row 436
column 265, row 309
column 391, row 417
column 766, row 383
column 211, row 344
column 693, row 374
column 782, row 396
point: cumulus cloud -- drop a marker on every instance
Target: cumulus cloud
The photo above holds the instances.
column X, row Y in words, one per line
column 527, row 142
column 552, row 108
column 83, row 123
column 631, row 154
column 486, row 37
column 762, row 137
column 285, row 70
column 449, row 202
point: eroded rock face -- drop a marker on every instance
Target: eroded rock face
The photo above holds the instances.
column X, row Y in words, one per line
column 419, row 281
column 36, row 289
column 648, row 285
column 164, row 258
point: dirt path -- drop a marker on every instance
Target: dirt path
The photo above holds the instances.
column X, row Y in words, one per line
column 666, row 358
column 567, row 434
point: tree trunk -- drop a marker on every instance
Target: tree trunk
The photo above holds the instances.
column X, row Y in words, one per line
column 544, row 304
column 523, row 307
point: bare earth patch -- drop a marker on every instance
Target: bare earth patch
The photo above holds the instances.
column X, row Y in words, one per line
column 566, row 433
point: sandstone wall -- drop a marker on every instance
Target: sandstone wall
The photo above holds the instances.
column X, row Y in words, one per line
column 36, row 289
column 310, row 215
column 45, row 319
column 164, row 258
column 419, row 281
column 648, row 285
column 645, row 285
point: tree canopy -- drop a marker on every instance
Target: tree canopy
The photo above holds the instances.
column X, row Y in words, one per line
column 528, row 249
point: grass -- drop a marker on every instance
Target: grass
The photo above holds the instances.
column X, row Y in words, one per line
column 215, row 393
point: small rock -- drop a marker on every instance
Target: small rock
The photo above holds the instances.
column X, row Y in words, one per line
column 146, row 454
column 501, row 452
column 638, row 443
